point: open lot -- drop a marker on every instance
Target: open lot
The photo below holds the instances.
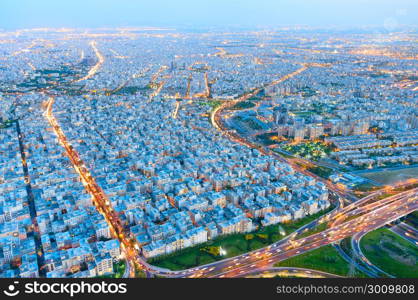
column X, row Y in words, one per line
column 391, row 253
column 390, row 177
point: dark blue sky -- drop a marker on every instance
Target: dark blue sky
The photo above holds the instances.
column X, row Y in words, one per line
column 257, row 13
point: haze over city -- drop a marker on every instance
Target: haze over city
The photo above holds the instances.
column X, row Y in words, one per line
column 18, row 14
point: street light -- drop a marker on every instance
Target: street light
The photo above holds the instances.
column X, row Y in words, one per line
column 222, row 251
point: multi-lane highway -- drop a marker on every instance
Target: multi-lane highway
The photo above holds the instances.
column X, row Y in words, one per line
column 261, row 259
column 289, row 272
column 358, row 253
column 366, row 205
column 365, row 223
column 407, row 232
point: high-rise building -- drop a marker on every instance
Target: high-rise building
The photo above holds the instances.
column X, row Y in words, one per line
column 298, row 133
column 315, row 131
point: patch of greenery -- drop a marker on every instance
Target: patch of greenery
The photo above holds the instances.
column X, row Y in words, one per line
column 300, row 113
column 366, row 187
column 307, row 91
column 405, row 188
column 211, row 103
column 412, row 219
column 132, row 90
column 139, row 273
column 345, row 244
column 7, row 124
column 267, row 139
column 255, row 98
column 324, row 259
column 309, row 150
column 243, row 105
column 285, row 155
column 316, row 229
column 391, row 253
column 118, row 269
column 214, row 251
column 321, row 171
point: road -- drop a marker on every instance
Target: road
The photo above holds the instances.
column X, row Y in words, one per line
column 365, row 223
column 354, row 262
column 97, row 66
column 129, row 270
column 289, row 272
column 176, row 110
column 355, row 245
column 261, row 259
column 407, row 232
column 32, row 207
column 367, row 205
column 99, row 198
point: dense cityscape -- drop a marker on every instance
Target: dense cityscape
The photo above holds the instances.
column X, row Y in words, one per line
column 155, row 152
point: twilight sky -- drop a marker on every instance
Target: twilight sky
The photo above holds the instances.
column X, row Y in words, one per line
column 248, row 13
